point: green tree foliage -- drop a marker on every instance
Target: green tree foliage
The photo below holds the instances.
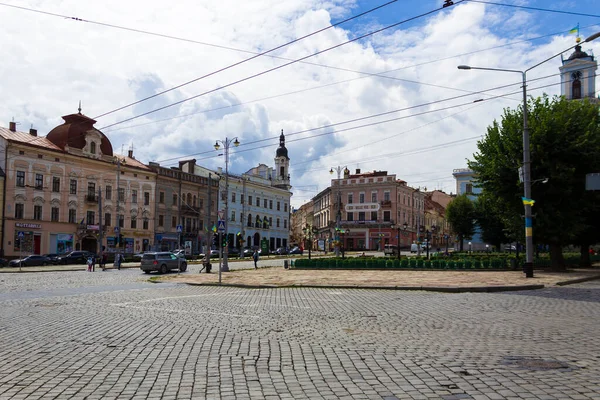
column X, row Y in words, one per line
column 460, row 214
column 489, row 219
column 565, row 146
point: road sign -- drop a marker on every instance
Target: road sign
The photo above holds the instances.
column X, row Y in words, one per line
column 21, row 234
column 221, row 226
column 221, row 214
column 179, row 228
column 116, row 229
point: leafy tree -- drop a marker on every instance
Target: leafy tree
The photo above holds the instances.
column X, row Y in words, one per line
column 460, row 214
column 488, row 215
column 564, row 143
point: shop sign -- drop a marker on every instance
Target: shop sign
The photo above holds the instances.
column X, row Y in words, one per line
column 93, row 227
column 25, row 225
column 362, row 207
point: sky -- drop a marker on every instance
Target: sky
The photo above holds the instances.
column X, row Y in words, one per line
column 389, row 101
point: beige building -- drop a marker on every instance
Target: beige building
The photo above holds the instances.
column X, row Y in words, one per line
column 68, row 191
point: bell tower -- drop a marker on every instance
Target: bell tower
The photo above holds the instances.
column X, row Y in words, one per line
column 577, row 76
column 282, row 165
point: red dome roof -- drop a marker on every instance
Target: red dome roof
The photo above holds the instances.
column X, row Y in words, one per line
column 72, row 133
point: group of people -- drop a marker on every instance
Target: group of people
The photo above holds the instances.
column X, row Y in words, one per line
column 91, row 262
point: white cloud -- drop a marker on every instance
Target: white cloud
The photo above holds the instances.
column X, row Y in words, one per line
column 49, row 64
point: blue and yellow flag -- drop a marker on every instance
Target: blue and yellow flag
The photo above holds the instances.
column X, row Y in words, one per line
column 214, row 228
column 575, row 30
column 528, row 202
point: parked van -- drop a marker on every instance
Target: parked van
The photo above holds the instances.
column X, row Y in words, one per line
column 414, row 248
column 390, row 250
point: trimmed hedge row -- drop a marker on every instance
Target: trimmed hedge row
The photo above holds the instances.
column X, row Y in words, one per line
column 404, row 263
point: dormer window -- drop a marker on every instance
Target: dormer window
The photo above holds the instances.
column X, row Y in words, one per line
column 93, row 147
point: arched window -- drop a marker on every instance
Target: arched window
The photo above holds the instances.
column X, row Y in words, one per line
column 257, row 221
column 576, row 85
column 194, row 204
column 265, row 222
column 189, row 199
column 250, row 220
column 282, row 172
column 93, row 147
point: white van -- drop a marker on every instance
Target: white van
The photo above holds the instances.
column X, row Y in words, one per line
column 414, row 248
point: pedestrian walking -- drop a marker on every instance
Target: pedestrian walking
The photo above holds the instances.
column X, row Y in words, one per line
column 90, row 263
column 255, row 258
column 118, row 261
column 103, row 259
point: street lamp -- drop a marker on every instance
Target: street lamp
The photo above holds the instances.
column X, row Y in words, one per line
column 338, row 217
column 528, row 267
column 226, row 143
column 309, row 233
column 470, row 247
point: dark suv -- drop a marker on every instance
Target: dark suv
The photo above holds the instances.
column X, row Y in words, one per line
column 162, row 262
column 75, row 257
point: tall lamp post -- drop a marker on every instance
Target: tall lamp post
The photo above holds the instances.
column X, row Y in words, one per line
column 226, row 143
column 338, row 216
column 309, row 233
column 528, row 267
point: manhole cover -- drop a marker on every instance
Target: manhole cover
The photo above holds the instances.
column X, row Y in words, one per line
column 536, row 364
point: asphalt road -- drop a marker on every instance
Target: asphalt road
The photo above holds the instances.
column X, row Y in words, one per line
column 111, row 334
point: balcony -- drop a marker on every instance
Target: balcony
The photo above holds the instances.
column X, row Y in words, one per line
column 386, row 203
column 187, row 209
column 91, row 198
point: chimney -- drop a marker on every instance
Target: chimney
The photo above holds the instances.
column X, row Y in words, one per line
column 12, row 126
column 130, row 153
column 357, row 171
column 33, row 132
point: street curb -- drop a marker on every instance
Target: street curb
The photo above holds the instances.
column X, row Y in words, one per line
column 443, row 289
column 83, row 268
column 580, row 280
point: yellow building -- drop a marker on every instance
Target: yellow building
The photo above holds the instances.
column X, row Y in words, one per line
column 68, row 191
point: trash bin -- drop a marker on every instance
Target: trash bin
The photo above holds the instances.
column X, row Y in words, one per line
column 286, row 264
column 513, row 263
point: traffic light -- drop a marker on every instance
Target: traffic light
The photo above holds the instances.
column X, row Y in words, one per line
column 120, row 239
column 215, row 239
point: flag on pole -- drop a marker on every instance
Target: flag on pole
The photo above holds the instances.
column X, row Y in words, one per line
column 575, row 30
column 214, row 228
column 528, row 202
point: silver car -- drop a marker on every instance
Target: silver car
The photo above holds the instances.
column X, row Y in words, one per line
column 162, row 262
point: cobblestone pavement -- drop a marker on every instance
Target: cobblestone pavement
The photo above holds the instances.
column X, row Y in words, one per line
column 110, row 334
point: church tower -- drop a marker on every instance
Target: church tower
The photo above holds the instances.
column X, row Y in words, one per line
column 282, row 165
column 577, row 76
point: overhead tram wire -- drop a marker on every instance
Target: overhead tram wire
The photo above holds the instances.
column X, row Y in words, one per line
column 386, row 121
column 279, row 66
column 247, row 59
column 370, row 116
column 535, row 8
column 366, row 75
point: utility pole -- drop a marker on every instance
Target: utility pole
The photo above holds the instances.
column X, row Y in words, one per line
column 179, row 212
column 243, row 216
column 101, row 233
column 118, row 219
column 206, row 225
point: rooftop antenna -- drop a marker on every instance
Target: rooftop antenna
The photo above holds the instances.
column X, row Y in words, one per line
column 79, row 109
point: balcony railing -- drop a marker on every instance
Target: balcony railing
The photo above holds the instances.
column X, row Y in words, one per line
column 91, row 198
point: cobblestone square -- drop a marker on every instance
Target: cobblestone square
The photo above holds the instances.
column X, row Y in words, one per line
column 113, row 334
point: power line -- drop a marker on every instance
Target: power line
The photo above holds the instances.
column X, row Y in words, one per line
column 278, row 67
column 365, row 75
column 535, row 8
column 248, row 59
column 369, row 117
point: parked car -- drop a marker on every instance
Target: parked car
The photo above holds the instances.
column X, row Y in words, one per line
column 282, row 251
column 138, row 256
column 162, row 262
column 75, row 257
column 235, row 252
column 213, row 254
column 179, row 253
column 296, row 250
column 390, row 250
column 30, row 261
column 3, row 262
column 248, row 252
column 52, row 257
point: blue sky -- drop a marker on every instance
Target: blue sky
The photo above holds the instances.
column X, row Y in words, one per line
column 53, row 63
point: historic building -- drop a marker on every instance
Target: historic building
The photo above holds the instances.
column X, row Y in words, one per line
column 578, row 76
column 68, row 191
column 258, row 202
column 182, row 201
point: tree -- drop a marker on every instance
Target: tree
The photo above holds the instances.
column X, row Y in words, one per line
column 564, row 143
column 460, row 214
column 489, row 219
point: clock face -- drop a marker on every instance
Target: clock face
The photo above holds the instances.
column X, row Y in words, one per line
column 576, row 75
